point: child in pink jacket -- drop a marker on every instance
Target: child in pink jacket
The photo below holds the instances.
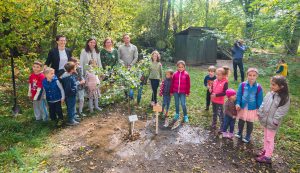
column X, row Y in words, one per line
column 180, row 89
column 218, row 93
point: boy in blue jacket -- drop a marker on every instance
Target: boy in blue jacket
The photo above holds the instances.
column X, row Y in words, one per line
column 70, row 86
column 55, row 95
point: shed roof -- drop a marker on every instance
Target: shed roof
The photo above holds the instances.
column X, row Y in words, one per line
column 193, row 29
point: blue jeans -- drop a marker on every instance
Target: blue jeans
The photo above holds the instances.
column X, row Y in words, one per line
column 71, row 102
column 182, row 98
column 166, row 103
column 228, row 122
column 238, row 63
column 140, row 92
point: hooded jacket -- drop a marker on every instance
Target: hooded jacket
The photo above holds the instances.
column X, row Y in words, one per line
column 69, row 83
column 270, row 115
column 181, row 83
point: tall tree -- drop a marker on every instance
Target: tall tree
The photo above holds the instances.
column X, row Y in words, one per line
column 161, row 14
column 167, row 21
column 206, row 12
column 294, row 43
column 174, row 18
column 180, row 15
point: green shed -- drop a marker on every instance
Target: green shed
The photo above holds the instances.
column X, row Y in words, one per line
column 196, row 46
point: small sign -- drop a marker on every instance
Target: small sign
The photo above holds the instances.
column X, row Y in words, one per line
column 157, row 108
column 133, row 118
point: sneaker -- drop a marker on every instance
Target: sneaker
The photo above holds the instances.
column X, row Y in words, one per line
column 166, row 122
column 230, row 135
column 77, row 119
column 246, row 140
column 176, row 117
column 76, row 116
column 225, row 135
column 82, row 114
column 98, row 108
column 73, row 123
column 176, row 124
column 238, row 135
column 60, row 122
column 186, row 119
column 261, row 153
column 263, row 159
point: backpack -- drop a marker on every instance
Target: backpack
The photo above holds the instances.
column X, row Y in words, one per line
column 258, row 88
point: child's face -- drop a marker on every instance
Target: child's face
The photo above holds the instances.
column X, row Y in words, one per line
column 168, row 75
column 50, row 75
column 154, row 57
column 180, row 67
column 211, row 73
column 232, row 98
column 36, row 68
column 219, row 75
column 73, row 70
column 275, row 87
column 252, row 75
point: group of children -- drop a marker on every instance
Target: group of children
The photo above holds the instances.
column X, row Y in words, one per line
column 247, row 105
column 69, row 86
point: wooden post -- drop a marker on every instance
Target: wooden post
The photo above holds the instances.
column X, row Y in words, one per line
column 157, row 108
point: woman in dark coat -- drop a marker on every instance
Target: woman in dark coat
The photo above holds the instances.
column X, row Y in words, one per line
column 59, row 56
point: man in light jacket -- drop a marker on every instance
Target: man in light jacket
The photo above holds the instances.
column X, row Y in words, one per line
column 128, row 53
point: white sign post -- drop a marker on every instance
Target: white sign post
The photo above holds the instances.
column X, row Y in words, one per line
column 157, row 108
column 132, row 119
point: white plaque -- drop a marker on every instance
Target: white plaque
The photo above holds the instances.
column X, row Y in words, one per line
column 133, row 118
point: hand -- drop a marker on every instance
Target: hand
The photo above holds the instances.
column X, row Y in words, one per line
column 62, row 101
column 187, row 95
column 210, row 90
column 237, row 107
column 82, row 81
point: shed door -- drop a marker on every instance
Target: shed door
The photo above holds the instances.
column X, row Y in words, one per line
column 210, row 50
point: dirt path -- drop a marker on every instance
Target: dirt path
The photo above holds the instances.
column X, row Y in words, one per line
column 98, row 145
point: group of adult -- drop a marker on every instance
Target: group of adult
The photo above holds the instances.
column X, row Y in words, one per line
column 108, row 56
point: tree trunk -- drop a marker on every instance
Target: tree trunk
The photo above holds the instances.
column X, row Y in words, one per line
column 167, row 21
column 173, row 18
column 161, row 13
column 294, row 43
column 249, row 13
column 55, row 23
column 206, row 12
column 180, row 15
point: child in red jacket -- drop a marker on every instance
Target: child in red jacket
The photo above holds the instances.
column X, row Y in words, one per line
column 218, row 93
column 180, row 89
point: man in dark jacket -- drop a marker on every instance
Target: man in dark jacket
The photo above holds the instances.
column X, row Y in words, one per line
column 238, row 53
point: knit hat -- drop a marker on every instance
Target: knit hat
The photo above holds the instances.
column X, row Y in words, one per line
column 252, row 69
column 230, row 92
